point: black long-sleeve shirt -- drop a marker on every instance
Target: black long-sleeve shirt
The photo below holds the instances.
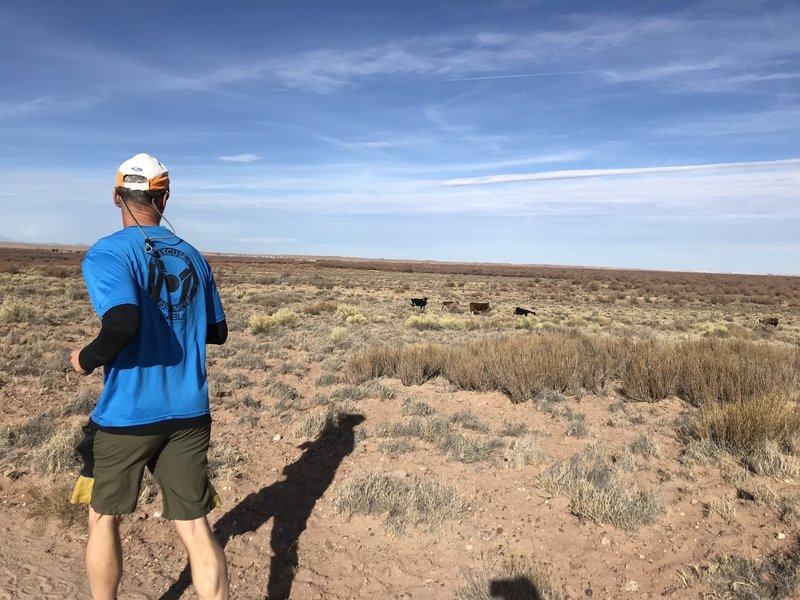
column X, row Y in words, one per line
column 119, row 326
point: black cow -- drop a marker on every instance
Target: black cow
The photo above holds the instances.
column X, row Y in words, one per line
column 768, row 321
column 419, row 302
column 524, row 312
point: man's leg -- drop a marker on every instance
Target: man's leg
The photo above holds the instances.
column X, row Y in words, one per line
column 206, row 559
column 103, row 555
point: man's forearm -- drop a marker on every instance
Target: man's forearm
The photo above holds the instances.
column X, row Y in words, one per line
column 120, row 325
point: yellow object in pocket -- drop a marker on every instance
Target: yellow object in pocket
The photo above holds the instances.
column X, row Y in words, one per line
column 82, row 492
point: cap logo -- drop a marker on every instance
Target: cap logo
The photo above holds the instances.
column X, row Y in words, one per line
column 137, row 169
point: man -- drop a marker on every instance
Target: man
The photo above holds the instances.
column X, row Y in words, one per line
column 159, row 307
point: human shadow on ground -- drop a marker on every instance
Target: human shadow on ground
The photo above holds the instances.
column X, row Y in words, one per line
column 289, row 502
column 519, row 588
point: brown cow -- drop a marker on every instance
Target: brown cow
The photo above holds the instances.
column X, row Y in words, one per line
column 768, row 321
column 479, row 307
column 449, row 305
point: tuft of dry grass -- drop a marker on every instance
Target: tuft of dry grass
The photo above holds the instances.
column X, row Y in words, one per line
column 404, row 502
column 223, row 461
column 522, row 452
column 416, row 408
column 314, row 425
column 513, row 578
column 437, row 430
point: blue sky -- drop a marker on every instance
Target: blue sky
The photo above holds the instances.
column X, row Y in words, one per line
column 649, row 134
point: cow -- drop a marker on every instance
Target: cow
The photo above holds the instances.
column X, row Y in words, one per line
column 479, row 307
column 524, row 312
column 419, row 302
column 449, row 305
column 768, row 321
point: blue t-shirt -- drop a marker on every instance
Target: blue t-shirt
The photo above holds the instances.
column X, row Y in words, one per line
column 161, row 374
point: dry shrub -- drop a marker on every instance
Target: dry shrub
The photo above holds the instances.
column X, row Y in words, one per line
column 469, row 420
column 700, row 371
column 736, row 370
column 319, row 307
column 644, row 446
column 54, row 502
column 368, row 389
column 428, row 321
column 416, row 408
column 650, row 372
column 404, row 502
column 437, row 430
column 774, row 576
column 29, row 434
column 14, row 312
column 413, row 365
column 521, row 367
column 511, row 429
column 598, row 494
column 263, row 323
column 771, row 459
column 756, row 430
column 57, row 454
column 515, row 578
column 338, row 335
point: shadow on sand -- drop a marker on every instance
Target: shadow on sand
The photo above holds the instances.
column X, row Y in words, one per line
column 289, row 502
column 520, row 588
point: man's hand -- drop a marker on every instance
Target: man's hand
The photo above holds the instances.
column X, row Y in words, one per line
column 73, row 359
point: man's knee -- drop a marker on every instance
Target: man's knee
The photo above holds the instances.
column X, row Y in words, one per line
column 96, row 519
column 193, row 530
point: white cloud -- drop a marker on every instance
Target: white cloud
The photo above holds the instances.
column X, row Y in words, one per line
column 737, row 124
column 241, row 158
column 585, row 173
column 42, row 104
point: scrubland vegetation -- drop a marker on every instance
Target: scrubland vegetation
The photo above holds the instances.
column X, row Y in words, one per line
column 659, row 382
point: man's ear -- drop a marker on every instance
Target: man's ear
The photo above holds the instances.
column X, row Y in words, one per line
column 164, row 200
column 116, row 198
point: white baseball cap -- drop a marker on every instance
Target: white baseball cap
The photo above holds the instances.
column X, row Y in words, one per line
column 143, row 172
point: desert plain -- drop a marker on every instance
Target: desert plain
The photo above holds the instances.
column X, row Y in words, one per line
column 638, row 437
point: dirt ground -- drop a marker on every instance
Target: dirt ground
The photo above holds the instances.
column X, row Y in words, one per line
column 279, row 486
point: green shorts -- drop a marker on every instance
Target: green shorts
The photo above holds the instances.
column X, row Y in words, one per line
column 178, row 461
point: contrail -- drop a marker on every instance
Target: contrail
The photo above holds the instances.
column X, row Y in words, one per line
column 520, row 75
column 584, row 173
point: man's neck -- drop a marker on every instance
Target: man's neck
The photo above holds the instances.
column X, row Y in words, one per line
column 140, row 217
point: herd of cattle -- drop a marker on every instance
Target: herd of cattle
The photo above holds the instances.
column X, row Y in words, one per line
column 476, row 308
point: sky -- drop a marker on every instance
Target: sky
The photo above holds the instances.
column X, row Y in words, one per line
column 649, row 134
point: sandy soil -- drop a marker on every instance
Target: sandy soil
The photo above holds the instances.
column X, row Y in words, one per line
column 284, row 497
